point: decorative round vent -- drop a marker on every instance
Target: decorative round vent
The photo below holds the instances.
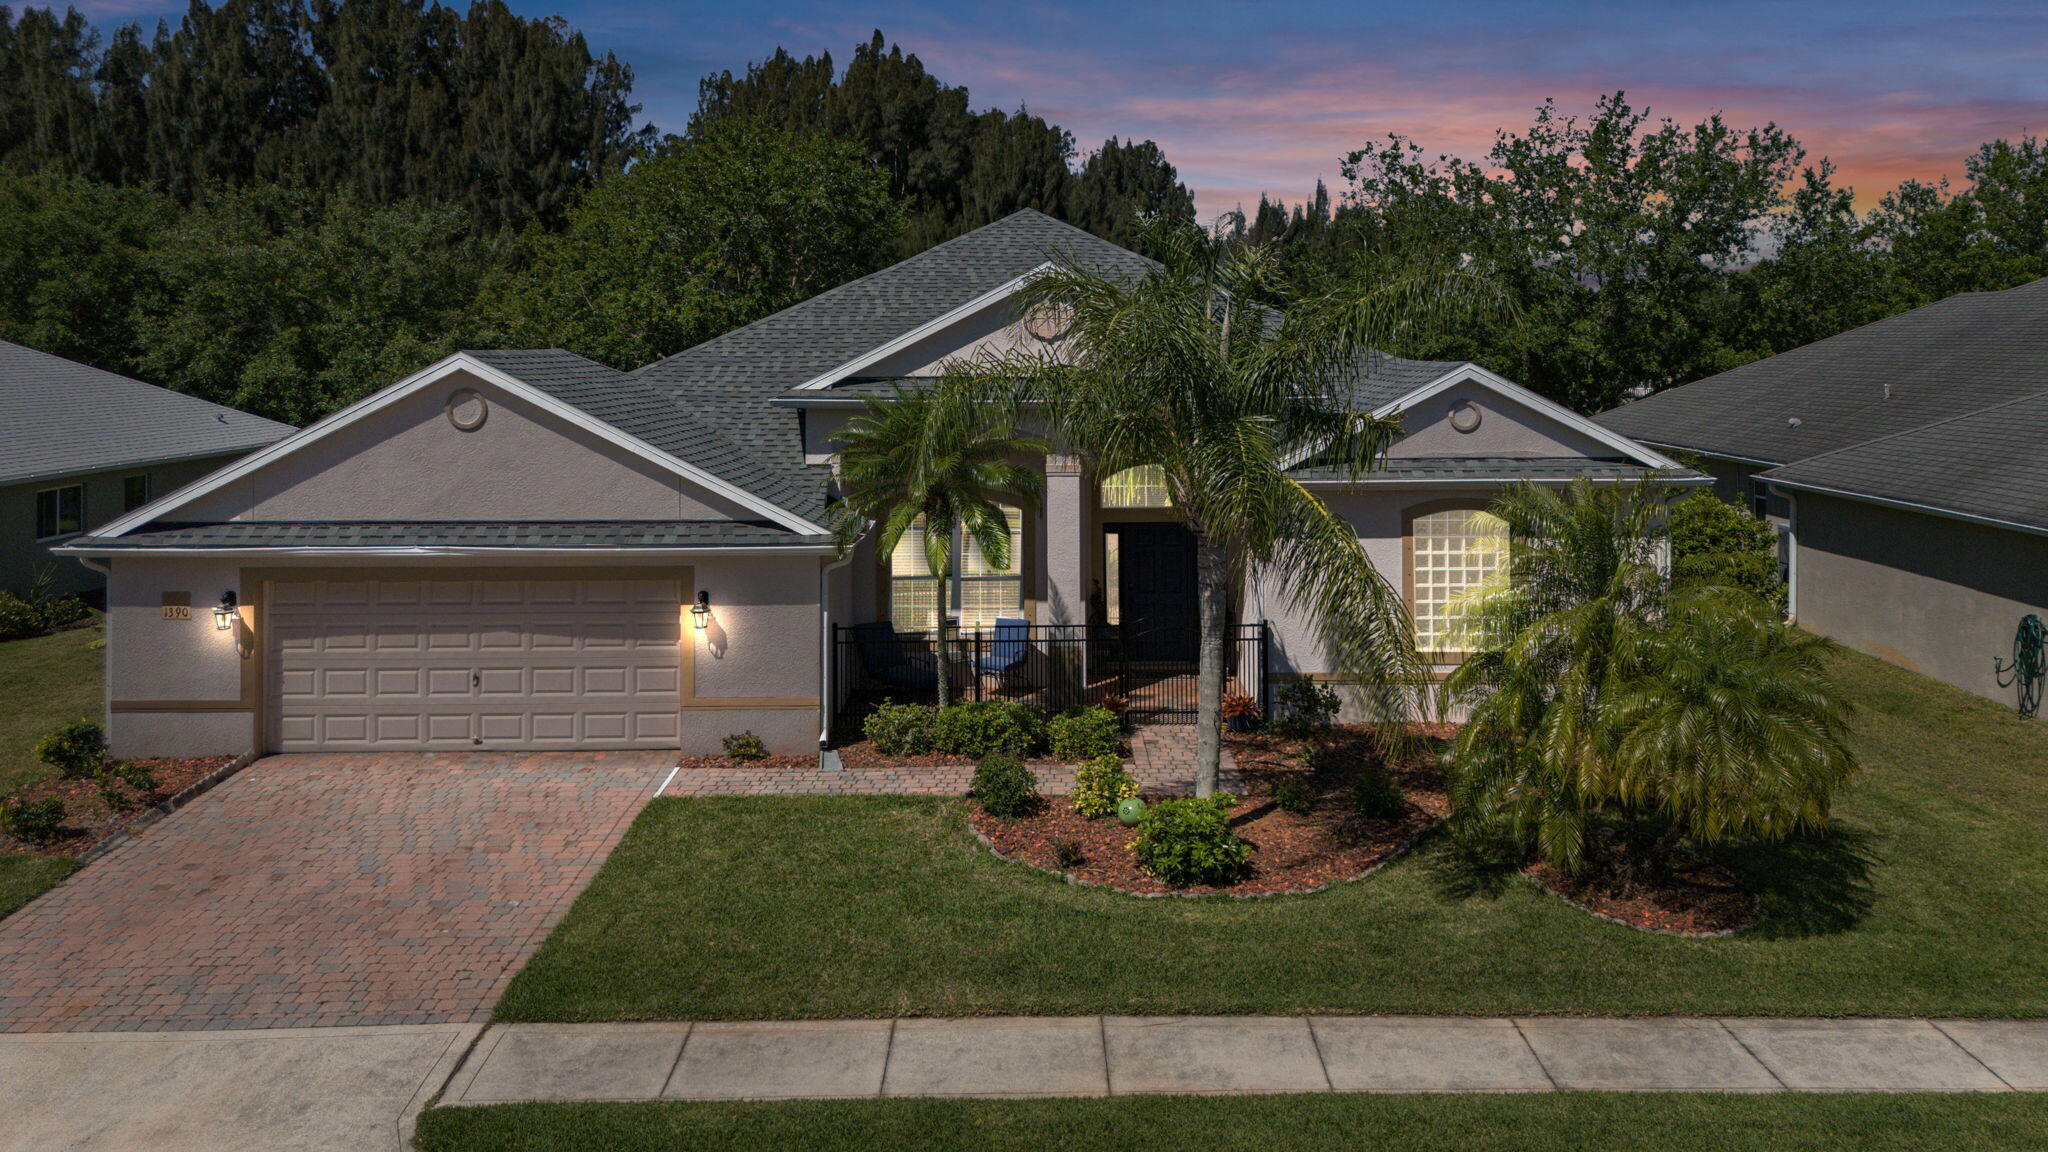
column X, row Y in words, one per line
column 467, row 409
column 1465, row 416
column 1049, row 322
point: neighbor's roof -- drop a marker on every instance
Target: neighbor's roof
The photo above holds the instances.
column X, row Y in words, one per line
column 1991, row 465
column 63, row 418
column 440, row 534
column 1949, row 358
column 1495, row 469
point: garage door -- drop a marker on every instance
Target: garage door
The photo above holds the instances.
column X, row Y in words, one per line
column 452, row 664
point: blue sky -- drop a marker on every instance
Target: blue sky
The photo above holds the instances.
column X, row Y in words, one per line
column 1248, row 97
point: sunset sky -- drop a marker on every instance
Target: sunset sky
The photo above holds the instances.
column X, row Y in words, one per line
column 1248, row 97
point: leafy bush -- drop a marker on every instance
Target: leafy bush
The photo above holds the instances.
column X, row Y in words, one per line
column 113, row 795
column 1306, row 706
column 135, row 775
column 745, row 746
column 901, row 729
column 1066, row 854
column 1189, row 841
column 77, row 750
column 1100, row 785
column 988, row 727
column 33, row 821
column 1295, row 795
column 19, row 619
column 1005, row 787
column 1084, row 734
column 1715, row 542
column 1375, row 795
column 41, row 612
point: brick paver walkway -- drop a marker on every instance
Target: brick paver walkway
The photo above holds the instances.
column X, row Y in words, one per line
column 1162, row 760
column 325, row 890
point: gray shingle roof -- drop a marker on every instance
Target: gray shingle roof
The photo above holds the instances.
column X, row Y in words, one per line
column 1991, row 464
column 1417, row 470
column 477, row 534
column 64, row 417
column 731, row 380
column 1959, row 355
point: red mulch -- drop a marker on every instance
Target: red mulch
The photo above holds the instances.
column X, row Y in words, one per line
column 736, row 762
column 87, row 818
column 1700, row 899
column 1290, row 853
column 862, row 754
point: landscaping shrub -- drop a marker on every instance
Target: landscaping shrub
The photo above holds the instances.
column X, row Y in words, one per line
column 1715, row 542
column 1295, row 795
column 1066, row 854
column 39, row 614
column 1186, row 842
column 1321, row 758
column 33, row 821
column 1005, row 787
column 1375, row 795
column 77, row 750
column 1085, row 733
column 1306, row 707
column 901, row 729
column 136, row 776
column 113, row 794
column 1100, row 785
column 745, row 746
column 988, row 727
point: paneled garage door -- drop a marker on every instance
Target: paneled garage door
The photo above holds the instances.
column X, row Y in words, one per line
column 451, row 664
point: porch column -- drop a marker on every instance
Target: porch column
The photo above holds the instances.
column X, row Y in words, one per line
column 1066, row 543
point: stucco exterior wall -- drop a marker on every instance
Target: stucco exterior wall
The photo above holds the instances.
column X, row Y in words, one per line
column 994, row 329
column 408, row 462
column 1937, row 596
column 22, row 556
column 1505, row 429
column 185, row 676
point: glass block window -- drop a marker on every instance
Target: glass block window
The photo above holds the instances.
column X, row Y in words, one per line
column 1140, row 487
column 980, row 593
column 1452, row 552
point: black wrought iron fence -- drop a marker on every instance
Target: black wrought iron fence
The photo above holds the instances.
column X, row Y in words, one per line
column 1051, row 666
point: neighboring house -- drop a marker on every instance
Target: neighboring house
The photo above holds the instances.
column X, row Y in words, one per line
column 510, row 549
column 1907, row 462
column 83, row 446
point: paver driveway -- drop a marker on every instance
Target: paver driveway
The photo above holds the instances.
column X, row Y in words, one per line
column 325, row 890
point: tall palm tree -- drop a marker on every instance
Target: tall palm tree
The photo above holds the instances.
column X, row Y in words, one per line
column 1205, row 368
column 1596, row 694
column 946, row 458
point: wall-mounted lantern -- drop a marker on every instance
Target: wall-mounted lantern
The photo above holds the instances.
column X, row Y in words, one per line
column 224, row 612
column 700, row 612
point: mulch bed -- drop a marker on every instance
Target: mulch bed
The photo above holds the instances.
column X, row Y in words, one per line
column 735, row 762
column 87, row 818
column 862, row 754
column 1700, row 899
column 1290, row 853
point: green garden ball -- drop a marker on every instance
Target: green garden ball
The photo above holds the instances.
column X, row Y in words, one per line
column 1130, row 811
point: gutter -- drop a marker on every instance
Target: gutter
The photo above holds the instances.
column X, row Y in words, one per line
column 1906, row 505
column 428, row 553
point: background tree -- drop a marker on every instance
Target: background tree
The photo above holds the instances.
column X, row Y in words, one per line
column 719, row 229
column 942, row 461
column 1189, row 369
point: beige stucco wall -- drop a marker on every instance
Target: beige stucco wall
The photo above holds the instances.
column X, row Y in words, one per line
column 22, row 556
column 151, row 660
column 993, row 330
column 408, row 462
column 1506, row 428
column 1938, row 596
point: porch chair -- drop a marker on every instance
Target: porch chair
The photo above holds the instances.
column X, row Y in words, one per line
column 882, row 654
column 1008, row 651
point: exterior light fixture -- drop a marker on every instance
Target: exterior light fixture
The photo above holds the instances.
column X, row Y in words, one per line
column 700, row 612
column 224, row 612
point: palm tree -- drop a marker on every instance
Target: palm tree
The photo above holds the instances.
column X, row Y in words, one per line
column 1193, row 367
column 945, row 458
column 1595, row 694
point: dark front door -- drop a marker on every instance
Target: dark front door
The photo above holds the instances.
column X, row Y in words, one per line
column 1156, row 590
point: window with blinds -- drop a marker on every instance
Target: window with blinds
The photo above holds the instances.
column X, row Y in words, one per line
column 1451, row 553
column 980, row 592
column 1140, row 487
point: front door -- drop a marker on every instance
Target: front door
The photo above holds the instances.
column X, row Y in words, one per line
column 1156, row 590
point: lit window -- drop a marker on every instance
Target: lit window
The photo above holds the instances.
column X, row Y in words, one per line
column 134, row 492
column 1140, row 487
column 1451, row 553
column 60, row 511
column 980, row 593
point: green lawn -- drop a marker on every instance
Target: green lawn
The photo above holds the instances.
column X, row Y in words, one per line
column 43, row 683
column 1472, row 1123
column 1930, row 902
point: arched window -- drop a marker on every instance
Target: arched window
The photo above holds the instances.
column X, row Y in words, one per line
column 1140, row 487
column 1450, row 551
column 980, row 593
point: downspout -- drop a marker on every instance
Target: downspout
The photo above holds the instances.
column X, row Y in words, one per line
column 826, row 693
column 1791, row 557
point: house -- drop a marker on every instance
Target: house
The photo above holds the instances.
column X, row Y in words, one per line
column 526, row 549
column 85, row 446
column 1907, row 463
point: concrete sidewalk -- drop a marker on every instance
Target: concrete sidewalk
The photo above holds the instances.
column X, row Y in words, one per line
column 1099, row 1056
